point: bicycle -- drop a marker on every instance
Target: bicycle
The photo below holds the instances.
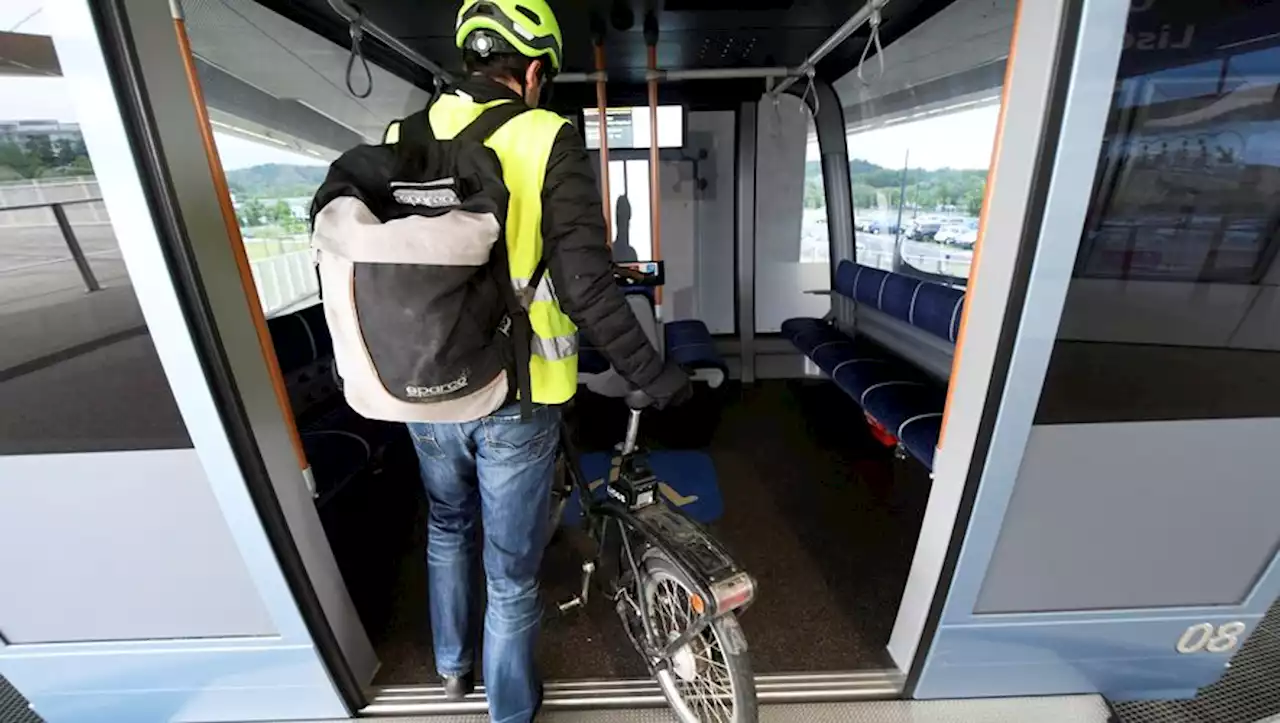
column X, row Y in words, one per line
column 676, row 589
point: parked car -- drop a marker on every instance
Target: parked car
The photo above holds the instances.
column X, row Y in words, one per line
column 967, row 239
column 923, row 229
column 948, row 232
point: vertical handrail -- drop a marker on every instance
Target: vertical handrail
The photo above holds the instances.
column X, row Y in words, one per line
column 238, row 251
column 73, row 245
column 655, row 196
column 602, row 125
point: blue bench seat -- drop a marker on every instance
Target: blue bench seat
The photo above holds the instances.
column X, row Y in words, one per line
column 689, row 344
column 896, row 395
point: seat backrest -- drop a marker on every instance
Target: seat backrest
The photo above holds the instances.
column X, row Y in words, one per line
column 931, row 307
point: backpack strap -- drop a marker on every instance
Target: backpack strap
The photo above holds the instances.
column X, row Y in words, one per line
column 490, row 120
column 478, row 131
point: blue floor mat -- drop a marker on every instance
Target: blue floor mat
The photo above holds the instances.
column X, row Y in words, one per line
column 688, row 482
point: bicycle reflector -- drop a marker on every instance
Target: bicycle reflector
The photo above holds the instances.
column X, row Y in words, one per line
column 733, row 592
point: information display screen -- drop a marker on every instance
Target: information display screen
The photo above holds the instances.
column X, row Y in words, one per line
column 629, row 127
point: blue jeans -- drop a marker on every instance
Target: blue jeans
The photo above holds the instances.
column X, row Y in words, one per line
column 497, row 471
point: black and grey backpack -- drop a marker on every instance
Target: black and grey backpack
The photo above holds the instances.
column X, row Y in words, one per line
column 413, row 264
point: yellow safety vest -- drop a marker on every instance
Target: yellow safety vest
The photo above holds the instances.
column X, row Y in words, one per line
column 523, row 146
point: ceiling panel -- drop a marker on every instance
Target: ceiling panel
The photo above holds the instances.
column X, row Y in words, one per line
column 744, row 33
column 293, row 65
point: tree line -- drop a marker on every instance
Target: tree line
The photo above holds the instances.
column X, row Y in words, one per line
column 254, row 212
column 878, row 187
column 39, row 156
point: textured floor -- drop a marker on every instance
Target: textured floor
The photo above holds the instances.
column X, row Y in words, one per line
column 13, row 707
column 1057, row 709
column 1247, row 693
column 823, row 516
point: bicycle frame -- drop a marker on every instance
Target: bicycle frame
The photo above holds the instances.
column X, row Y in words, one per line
column 646, row 523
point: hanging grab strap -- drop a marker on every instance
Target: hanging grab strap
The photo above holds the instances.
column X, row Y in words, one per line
column 874, row 22
column 357, row 37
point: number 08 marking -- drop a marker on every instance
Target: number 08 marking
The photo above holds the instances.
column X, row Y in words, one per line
column 1215, row 640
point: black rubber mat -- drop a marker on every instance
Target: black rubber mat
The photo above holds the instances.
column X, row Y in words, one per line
column 821, row 514
column 13, row 707
column 1248, row 692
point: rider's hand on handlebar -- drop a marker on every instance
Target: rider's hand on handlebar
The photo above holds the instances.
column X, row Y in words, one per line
column 671, row 388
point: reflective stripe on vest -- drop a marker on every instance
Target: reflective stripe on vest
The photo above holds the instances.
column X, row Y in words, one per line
column 523, row 145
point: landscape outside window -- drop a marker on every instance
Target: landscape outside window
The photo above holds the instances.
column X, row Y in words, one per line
column 271, row 190
column 917, row 192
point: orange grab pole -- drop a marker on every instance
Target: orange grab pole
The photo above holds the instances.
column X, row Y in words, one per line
column 237, row 243
column 602, row 123
column 655, row 197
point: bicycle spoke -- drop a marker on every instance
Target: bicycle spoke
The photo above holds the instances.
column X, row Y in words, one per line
column 708, row 694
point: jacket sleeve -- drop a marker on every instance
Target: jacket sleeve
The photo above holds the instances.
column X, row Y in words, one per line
column 581, row 266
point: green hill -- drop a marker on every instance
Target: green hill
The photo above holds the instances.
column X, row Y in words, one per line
column 275, row 180
column 875, row 185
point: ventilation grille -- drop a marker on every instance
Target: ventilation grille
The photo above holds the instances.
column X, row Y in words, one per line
column 727, row 49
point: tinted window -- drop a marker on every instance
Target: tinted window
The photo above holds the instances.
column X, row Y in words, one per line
column 917, row 191
column 1174, row 311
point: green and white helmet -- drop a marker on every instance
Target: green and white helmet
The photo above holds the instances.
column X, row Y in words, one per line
column 527, row 27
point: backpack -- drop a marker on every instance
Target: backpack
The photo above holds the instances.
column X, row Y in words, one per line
column 429, row 319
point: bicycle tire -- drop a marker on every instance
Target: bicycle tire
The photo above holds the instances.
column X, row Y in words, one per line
column 725, row 632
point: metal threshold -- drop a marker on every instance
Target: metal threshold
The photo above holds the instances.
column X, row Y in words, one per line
column 643, row 693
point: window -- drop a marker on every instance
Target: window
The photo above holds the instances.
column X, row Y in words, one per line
column 280, row 115
column 1174, row 308
column 918, row 185
column 629, row 199
column 271, row 190
column 77, row 356
column 1179, row 172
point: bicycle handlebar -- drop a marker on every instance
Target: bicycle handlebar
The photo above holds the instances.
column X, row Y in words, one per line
column 637, row 399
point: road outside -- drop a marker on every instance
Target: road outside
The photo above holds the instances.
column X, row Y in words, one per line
column 36, row 268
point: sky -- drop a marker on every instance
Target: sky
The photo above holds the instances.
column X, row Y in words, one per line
column 956, row 140
column 48, row 98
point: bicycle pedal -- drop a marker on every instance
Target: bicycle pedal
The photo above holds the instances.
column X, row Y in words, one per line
column 570, row 605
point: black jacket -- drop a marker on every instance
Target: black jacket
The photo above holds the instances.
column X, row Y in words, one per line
column 579, row 259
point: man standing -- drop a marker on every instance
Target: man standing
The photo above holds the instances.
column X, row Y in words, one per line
column 497, row 470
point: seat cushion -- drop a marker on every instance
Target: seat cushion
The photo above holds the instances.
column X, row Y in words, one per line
column 937, row 310
column 591, row 361
column 867, row 285
column 341, row 444
column 898, row 295
column 893, row 402
column 846, row 277
column 690, row 345
column 919, row 436
column 857, row 374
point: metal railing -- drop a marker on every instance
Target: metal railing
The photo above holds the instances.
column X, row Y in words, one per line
column 285, row 280
column 68, row 236
column 282, row 280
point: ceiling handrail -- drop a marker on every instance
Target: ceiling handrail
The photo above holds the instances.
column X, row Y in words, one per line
column 357, row 19
column 860, row 18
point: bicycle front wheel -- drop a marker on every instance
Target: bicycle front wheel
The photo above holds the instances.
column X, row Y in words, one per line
column 709, row 679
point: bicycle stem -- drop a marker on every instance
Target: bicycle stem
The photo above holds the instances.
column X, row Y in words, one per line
column 633, row 433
